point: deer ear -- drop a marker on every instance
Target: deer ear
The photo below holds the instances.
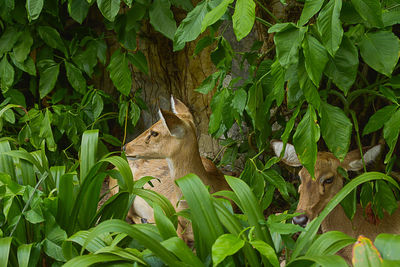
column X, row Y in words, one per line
column 180, row 109
column 173, row 123
column 353, row 162
column 290, row 157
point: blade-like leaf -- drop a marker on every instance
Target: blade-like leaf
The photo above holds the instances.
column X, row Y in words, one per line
column 88, row 152
column 215, row 14
column 5, row 245
column 324, row 243
column 365, row 253
column 330, row 27
column 370, row 10
column 311, row 7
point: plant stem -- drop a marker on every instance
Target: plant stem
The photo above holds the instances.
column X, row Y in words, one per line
column 268, row 11
column 353, row 115
column 266, row 23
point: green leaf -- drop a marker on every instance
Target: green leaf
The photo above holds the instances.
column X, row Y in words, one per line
column 391, row 17
column 384, row 199
column 215, row 14
column 365, row 253
column 135, row 113
column 378, row 119
column 162, row 18
column 391, row 130
column 316, row 58
column 342, row 68
column 8, row 39
column 329, row 243
column 78, row 10
column 6, row 75
column 28, row 65
column 239, row 100
column 190, row 27
column 139, row 60
column 305, row 140
column 380, row 50
column 203, row 214
column 370, row 10
column 330, row 27
column 275, row 179
column 88, row 155
column 311, row 7
column 24, row 255
column 75, row 78
column 267, row 251
column 208, row 83
column 326, row 261
column 23, row 46
column 226, row 245
column 109, row 8
column 34, row 7
column 52, row 38
column 203, row 43
column 48, row 71
column 120, row 72
column 184, row 4
column 182, row 251
column 5, row 245
column 243, row 18
column 287, row 43
column 307, row 86
column 388, row 245
column 164, row 225
column 46, row 132
column 278, row 75
column 336, row 129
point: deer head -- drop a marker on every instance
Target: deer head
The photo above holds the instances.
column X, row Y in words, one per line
column 173, row 132
column 315, row 194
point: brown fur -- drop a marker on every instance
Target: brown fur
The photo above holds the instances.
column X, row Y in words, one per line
column 314, row 195
column 171, row 142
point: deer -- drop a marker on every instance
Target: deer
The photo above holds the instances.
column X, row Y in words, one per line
column 169, row 150
column 316, row 193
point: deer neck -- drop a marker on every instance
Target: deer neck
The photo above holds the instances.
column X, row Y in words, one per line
column 185, row 162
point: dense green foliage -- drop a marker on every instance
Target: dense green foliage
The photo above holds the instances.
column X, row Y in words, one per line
column 326, row 70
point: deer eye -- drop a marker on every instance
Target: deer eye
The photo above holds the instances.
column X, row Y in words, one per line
column 153, row 133
column 328, row 181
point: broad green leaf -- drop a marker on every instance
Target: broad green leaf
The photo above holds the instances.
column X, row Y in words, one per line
column 190, row 27
column 75, row 78
column 384, row 199
column 5, row 245
column 46, row 131
column 243, row 18
column 305, row 140
column 109, row 8
column 239, row 100
column 23, row 46
column 52, row 38
column 6, row 75
column 203, row 214
column 388, row 246
column 275, row 179
column 315, row 57
column 391, row 130
column 34, row 7
column 120, row 72
column 330, row 27
column 287, row 43
column 78, row 10
column 28, row 65
column 365, row 253
column 8, row 39
column 135, row 113
column 184, row 4
column 215, row 14
column 336, row 129
column 203, row 43
column 162, row 18
column 278, row 75
column 208, row 83
column 324, row 243
column 391, row 17
column 88, row 152
column 217, row 107
column 139, row 60
column 311, row 7
column 370, row 10
column 24, row 255
column 380, row 50
column 48, row 71
column 307, row 86
column 225, row 245
column 267, row 251
column 342, row 68
column 378, row 119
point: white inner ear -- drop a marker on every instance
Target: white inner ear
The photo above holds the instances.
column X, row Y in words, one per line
column 162, row 118
column 369, row 157
column 289, row 157
column 173, row 105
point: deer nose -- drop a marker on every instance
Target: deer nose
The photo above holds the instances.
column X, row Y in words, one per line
column 301, row 220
